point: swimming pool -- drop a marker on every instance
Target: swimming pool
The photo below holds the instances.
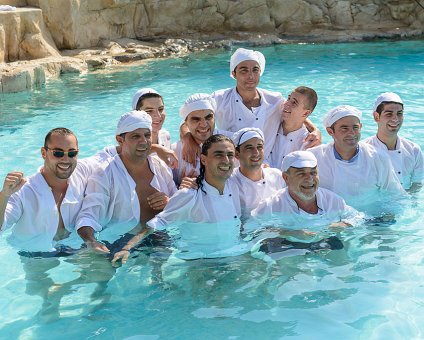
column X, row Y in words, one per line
column 371, row 289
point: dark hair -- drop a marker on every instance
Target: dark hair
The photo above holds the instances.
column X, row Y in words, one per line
column 311, row 96
column 380, row 107
column 205, row 147
column 146, row 96
column 58, row 131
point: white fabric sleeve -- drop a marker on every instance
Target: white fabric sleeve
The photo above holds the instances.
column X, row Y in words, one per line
column 177, row 211
column 95, row 203
column 13, row 212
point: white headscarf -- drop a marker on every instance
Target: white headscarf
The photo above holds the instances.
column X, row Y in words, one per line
column 133, row 120
column 340, row 112
column 387, row 97
column 243, row 54
column 197, row 101
column 245, row 134
column 141, row 93
column 299, row 159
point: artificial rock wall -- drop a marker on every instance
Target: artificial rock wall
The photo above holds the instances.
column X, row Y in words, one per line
column 72, row 24
column 84, row 23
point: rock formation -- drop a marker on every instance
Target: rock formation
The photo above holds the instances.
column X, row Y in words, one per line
column 44, row 27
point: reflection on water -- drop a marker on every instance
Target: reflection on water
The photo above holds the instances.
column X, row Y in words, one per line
column 371, row 288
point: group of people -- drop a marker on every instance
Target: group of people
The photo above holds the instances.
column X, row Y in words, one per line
column 245, row 154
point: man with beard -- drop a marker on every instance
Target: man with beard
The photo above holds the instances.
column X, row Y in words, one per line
column 43, row 208
column 405, row 155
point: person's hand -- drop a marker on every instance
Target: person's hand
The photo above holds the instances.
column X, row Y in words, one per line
column 12, row 183
column 97, row 247
column 313, row 139
column 157, row 201
column 120, row 255
column 188, row 183
column 191, row 150
column 340, row 224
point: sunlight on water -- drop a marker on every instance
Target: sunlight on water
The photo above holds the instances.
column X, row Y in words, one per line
column 370, row 289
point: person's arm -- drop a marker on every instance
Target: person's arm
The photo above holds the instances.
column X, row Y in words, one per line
column 314, row 138
column 165, row 154
column 191, row 150
column 12, row 183
column 87, row 234
column 124, row 253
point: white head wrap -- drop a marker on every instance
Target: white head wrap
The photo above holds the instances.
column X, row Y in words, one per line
column 243, row 54
column 134, row 120
column 197, row 101
column 245, row 134
column 139, row 94
column 387, row 97
column 339, row 112
column 299, row 159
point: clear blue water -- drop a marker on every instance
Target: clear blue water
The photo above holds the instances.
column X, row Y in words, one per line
column 372, row 289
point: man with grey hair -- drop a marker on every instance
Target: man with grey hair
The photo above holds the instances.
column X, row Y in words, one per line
column 350, row 168
column 127, row 191
column 405, row 155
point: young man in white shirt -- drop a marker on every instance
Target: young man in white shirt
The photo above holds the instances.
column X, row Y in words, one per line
column 198, row 114
column 207, row 219
column 150, row 101
column 42, row 209
column 255, row 182
column 292, row 134
column 405, row 155
column 129, row 190
column 355, row 170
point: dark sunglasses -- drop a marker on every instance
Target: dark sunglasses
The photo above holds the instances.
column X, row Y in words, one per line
column 60, row 153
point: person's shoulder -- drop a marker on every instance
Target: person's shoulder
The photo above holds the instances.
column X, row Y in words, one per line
column 272, row 172
column 271, row 96
column 222, row 92
column 407, row 143
column 370, row 140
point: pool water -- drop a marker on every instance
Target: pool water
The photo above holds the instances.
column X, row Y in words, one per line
column 371, row 289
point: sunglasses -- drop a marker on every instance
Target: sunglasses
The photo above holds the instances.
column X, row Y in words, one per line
column 60, row 153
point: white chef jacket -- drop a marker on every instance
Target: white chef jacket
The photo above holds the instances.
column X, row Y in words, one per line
column 111, row 197
column 407, row 159
column 283, row 145
column 207, row 224
column 164, row 138
column 32, row 211
column 232, row 115
column 359, row 181
column 252, row 192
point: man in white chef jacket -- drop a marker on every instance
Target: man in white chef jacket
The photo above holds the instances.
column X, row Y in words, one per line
column 405, row 155
column 355, row 170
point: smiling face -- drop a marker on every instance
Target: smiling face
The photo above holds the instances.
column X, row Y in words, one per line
column 247, row 75
column 251, row 154
column 218, row 162
column 346, row 133
column 201, row 124
column 302, row 183
column 155, row 108
column 390, row 119
column 135, row 145
column 63, row 167
column 295, row 107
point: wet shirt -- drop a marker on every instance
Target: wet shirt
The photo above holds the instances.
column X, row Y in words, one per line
column 252, row 192
column 33, row 215
column 232, row 115
column 406, row 159
column 360, row 180
column 284, row 144
column 111, row 197
column 206, row 223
